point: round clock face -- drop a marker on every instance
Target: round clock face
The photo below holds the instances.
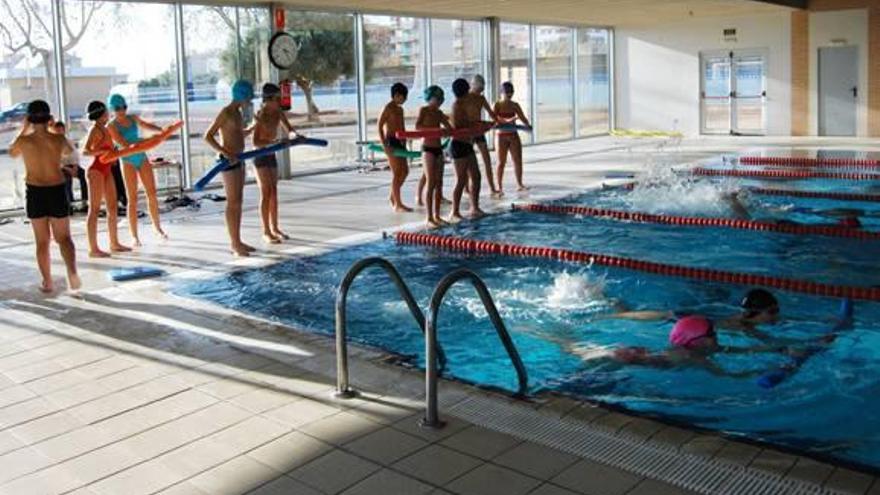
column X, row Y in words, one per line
column 283, row 50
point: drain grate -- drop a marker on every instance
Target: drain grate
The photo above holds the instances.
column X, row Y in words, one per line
column 629, row 452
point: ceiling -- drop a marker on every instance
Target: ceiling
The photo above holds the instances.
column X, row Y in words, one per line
column 595, row 12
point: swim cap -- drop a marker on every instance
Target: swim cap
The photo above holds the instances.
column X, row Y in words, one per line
column 690, row 329
column 460, row 87
column 399, row 88
column 507, row 87
column 852, row 222
column 434, row 91
column 38, row 112
column 479, row 81
column 759, row 300
column 242, row 91
column 95, row 109
column 116, row 101
column 269, row 91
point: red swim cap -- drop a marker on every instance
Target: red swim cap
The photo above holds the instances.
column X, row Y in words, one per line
column 690, row 329
column 851, row 222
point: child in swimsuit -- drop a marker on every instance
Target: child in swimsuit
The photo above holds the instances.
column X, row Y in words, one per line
column 508, row 111
column 101, row 184
column 467, row 172
column 47, row 206
column 476, row 104
column 390, row 121
column 431, row 117
column 269, row 119
column 124, row 129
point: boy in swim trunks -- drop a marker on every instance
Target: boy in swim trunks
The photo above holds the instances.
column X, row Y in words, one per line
column 231, row 126
column 267, row 122
column 390, row 121
column 476, row 103
column 74, row 171
column 47, row 205
column 431, row 117
column 467, row 172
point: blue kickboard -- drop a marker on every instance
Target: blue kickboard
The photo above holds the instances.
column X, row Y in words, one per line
column 134, row 273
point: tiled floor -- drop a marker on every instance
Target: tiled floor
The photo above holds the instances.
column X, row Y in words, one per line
column 130, row 390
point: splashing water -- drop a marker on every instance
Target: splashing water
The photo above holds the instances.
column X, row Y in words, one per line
column 576, row 291
column 663, row 191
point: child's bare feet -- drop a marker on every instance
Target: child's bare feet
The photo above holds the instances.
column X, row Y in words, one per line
column 73, row 282
column 248, row 247
column 477, row 213
column 46, row 286
column 160, row 233
column 119, row 248
column 269, row 238
column 240, row 251
column 522, row 187
column 281, row 235
column 445, row 201
column 432, row 223
column 97, row 253
column 402, row 208
column 454, row 218
column 136, row 242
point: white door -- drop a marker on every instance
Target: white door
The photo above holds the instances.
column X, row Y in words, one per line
column 733, row 93
column 838, row 90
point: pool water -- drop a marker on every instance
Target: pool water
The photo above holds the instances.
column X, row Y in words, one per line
column 551, row 306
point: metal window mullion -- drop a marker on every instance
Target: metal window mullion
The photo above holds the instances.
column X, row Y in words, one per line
column 492, row 56
column 58, row 60
column 360, row 77
column 610, row 61
column 533, row 80
column 182, row 94
column 427, row 51
column 575, row 86
column 238, row 65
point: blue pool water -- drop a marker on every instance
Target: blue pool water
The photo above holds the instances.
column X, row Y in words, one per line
column 830, row 407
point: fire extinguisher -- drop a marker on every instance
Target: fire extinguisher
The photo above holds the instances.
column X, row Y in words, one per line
column 286, row 95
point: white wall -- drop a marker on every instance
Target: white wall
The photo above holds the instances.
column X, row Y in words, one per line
column 657, row 70
column 839, row 28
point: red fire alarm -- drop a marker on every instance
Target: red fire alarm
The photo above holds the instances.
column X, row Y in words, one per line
column 279, row 18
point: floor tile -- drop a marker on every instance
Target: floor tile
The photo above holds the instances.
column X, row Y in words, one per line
column 436, row 464
column 239, row 475
column 340, row 428
column 596, row 479
column 480, row 442
column 284, row 485
column 386, row 482
column 490, row 479
column 535, row 460
column 386, row 446
column 334, row 472
column 289, row 451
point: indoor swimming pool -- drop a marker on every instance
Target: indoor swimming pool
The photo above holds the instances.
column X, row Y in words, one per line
column 560, row 313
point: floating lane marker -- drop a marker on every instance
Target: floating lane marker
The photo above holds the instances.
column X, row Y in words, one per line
column 789, row 161
column 784, row 174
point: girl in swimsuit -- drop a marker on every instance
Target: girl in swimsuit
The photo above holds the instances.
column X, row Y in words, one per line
column 100, row 179
column 124, row 131
column 508, row 111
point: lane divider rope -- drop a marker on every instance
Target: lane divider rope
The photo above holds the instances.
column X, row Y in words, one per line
column 784, row 174
column 731, row 223
column 460, row 244
column 845, row 196
column 809, row 162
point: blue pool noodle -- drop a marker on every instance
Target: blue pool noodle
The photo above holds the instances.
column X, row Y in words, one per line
column 222, row 163
column 773, row 378
column 513, row 127
column 134, row 273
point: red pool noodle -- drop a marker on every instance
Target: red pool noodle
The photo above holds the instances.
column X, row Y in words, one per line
column 705, row 274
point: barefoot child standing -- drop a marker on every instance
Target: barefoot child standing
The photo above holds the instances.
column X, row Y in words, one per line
column 431, row 117
column 46, row 188
column 467, row 171
column 390, row 121
column 267, row 123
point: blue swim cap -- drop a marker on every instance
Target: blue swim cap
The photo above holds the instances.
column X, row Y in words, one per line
column 115, row 101
column 433, row 91
column 242, row 91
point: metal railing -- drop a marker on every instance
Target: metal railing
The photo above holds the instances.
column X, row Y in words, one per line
column 432, row 419
column 343, row 389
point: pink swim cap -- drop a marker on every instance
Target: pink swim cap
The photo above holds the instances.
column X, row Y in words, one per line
column 690, row 329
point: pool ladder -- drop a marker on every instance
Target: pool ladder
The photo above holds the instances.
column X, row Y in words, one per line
column 435, row 359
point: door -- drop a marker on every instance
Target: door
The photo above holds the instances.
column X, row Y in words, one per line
column 716, row 94
column 838, row 90
column 733, row 93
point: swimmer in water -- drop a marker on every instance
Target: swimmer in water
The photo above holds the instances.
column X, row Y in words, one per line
column 390, row 121
column 846, row 217
column 759, row 307
column 46, row 189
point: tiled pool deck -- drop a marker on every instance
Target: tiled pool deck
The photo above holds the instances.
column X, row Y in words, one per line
column 128, row 390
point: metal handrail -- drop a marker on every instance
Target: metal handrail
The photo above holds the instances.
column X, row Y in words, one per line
column 343, row 390
column 431, row 418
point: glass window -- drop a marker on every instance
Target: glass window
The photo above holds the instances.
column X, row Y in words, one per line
column 594, row 93
column 27, row 72
column 393, row 54
column 555, row 108
column 515, row 62
column 212, row 65
column 112, row 57
column 456, row 52
column 324, row 88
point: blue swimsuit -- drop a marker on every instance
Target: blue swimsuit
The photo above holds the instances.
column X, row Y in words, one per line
column 131, row 136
